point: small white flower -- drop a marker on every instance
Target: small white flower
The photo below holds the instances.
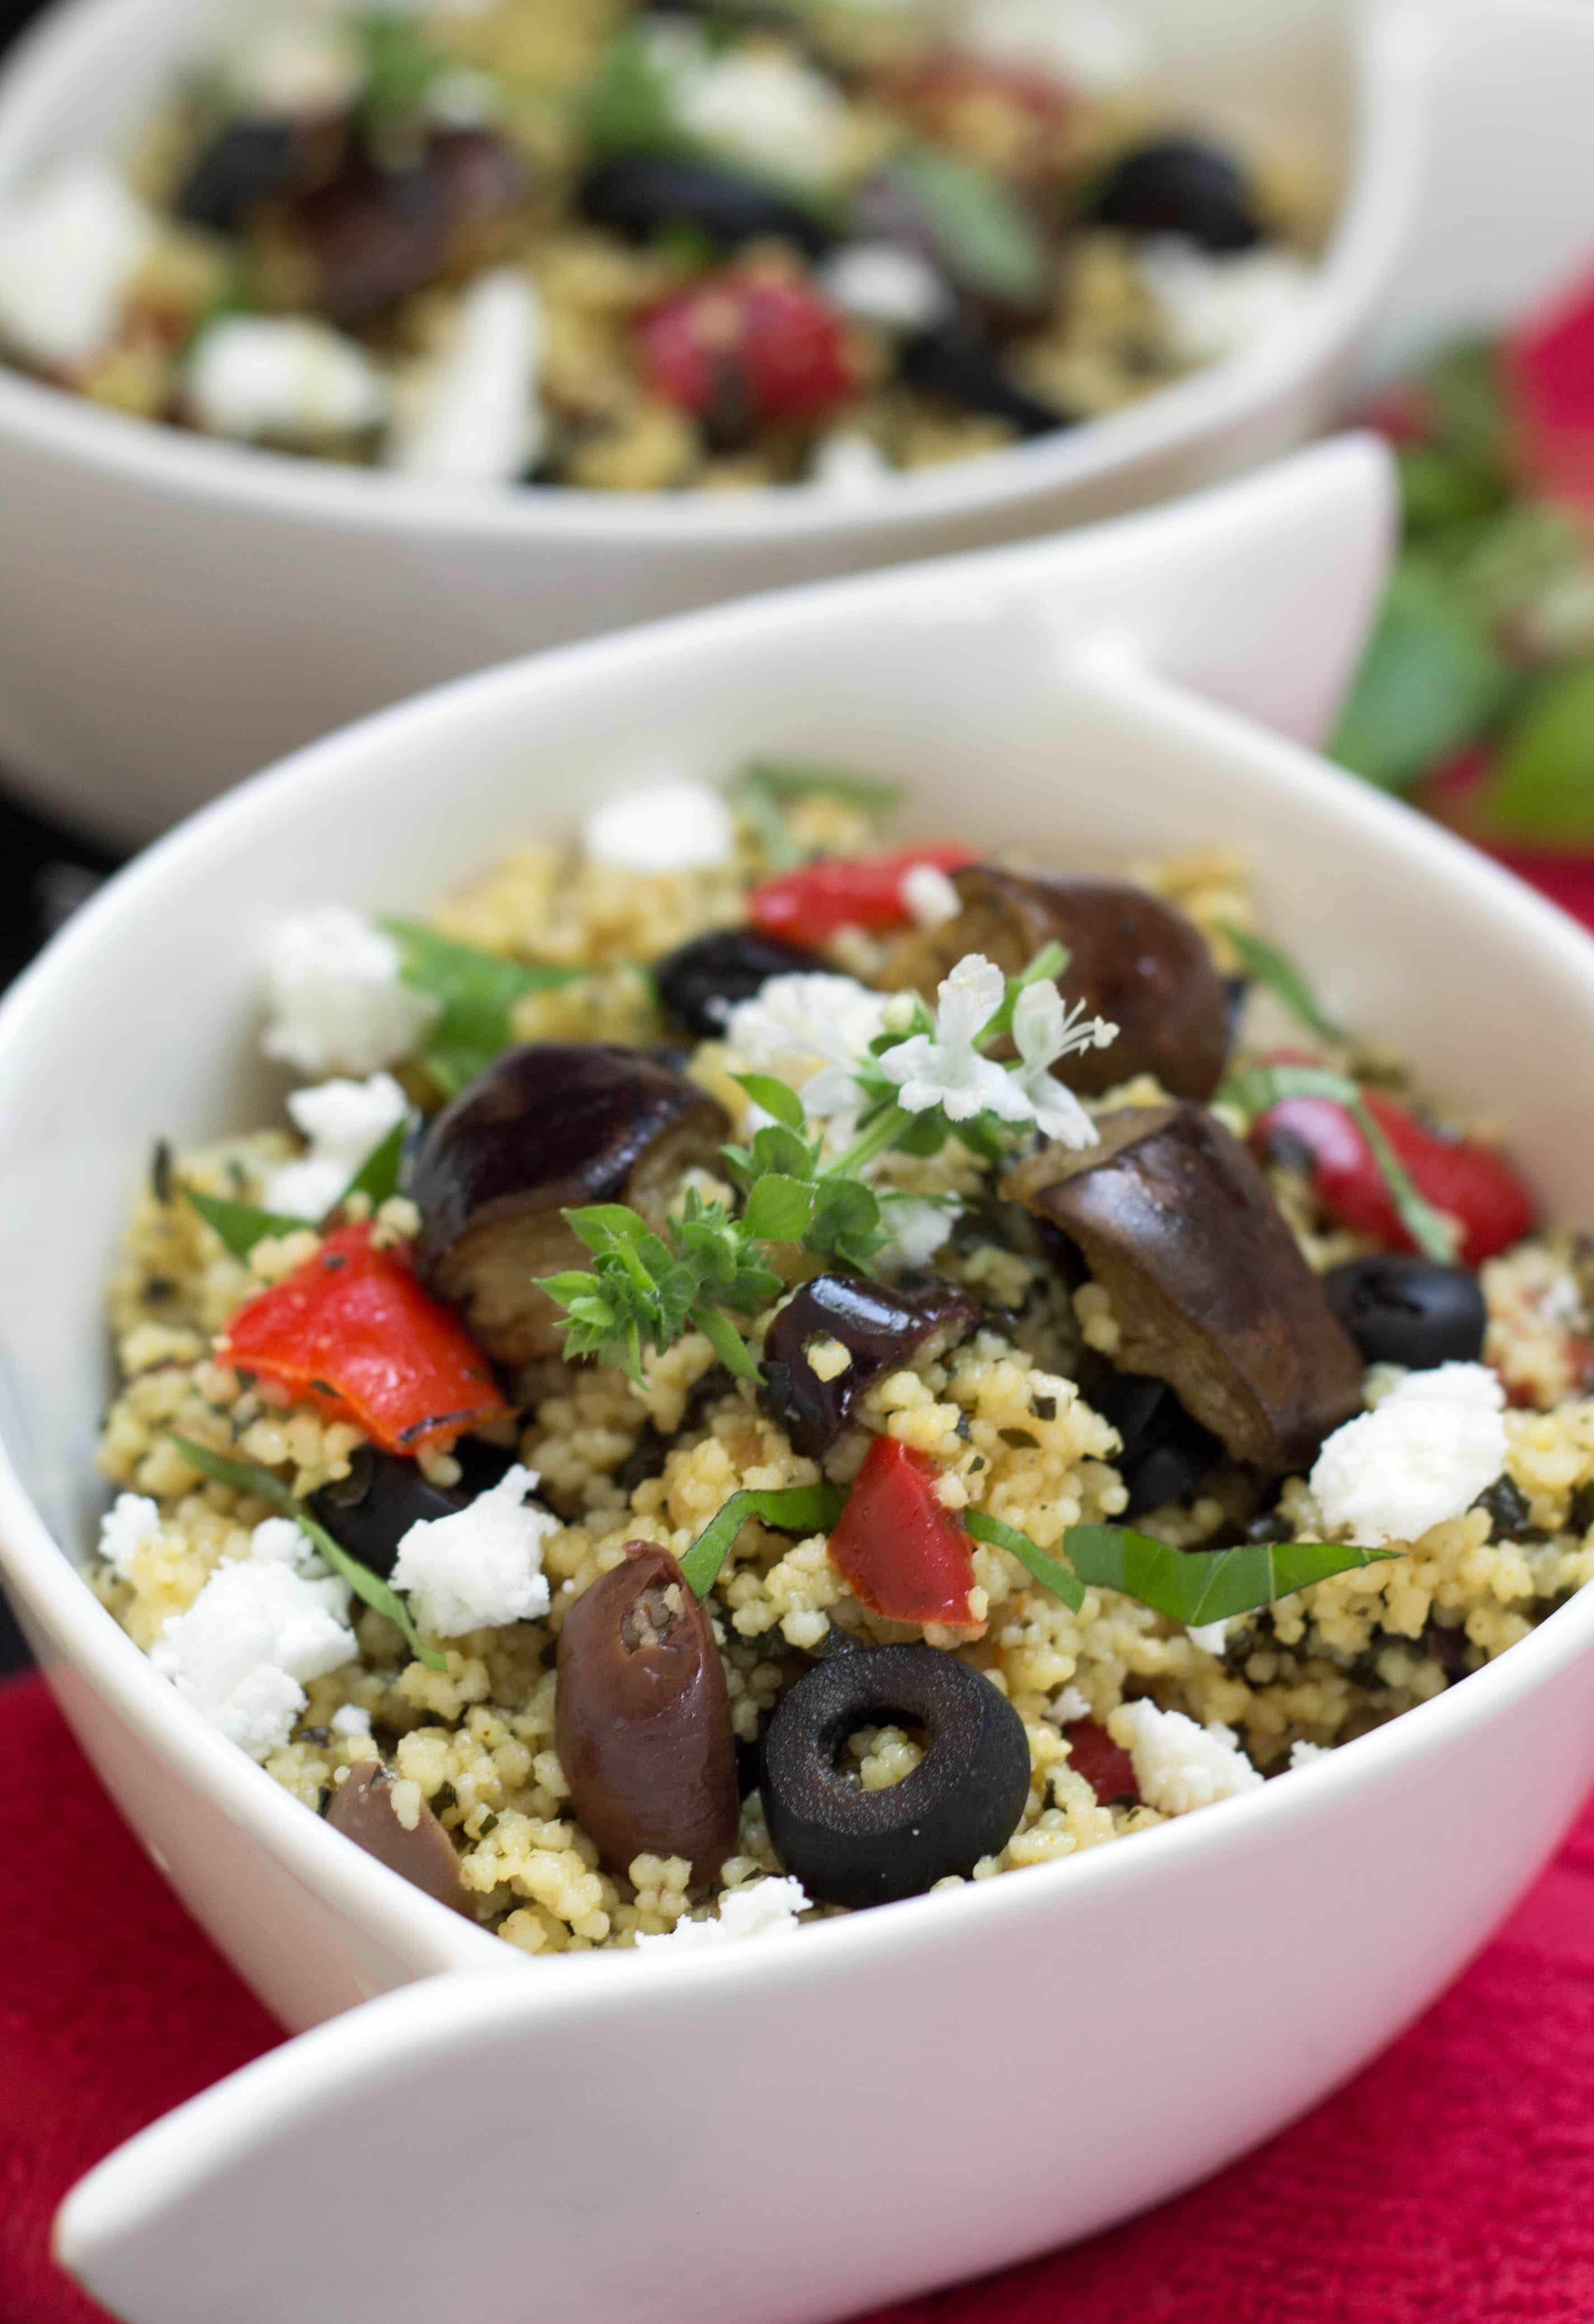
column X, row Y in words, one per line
column 917, row 1226
column 1044, row 1030
column 811, row 1032
column 945, row 1068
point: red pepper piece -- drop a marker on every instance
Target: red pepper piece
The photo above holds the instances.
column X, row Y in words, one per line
column 862, row 891
column 901, row 1552
column 1109, row 1772
column 772, row 350
column 1550, row 381
column 1471, row 1184
column 351, row 1332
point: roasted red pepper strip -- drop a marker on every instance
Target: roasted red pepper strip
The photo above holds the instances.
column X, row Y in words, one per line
column 862, row 892
column 901, row 1552
column 1109, row 1772
column 353, row 1332
column 1471, row 1184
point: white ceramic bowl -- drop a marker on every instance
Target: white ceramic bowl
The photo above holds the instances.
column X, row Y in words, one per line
column 179, row 610
column 888, row 2100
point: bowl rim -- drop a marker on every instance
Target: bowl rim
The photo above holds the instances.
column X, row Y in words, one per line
column 1388, row 47
column 97, row 1650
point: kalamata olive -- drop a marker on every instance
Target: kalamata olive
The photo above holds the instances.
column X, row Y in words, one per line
column 1164, row 1452
column 373, row 236
column 642, row 1719
column 362, row 1808
column 962, row 1800
column 1183, row 186
column 1508, row 1510
column 369, row 1511
column 1208, row 1286
column 959, row 364
column 252, row 161
column 880, row 1325
column 1400, row 1309
column 549, row 1127
column 703, row 982
column 644, row 194
column 1132, row 958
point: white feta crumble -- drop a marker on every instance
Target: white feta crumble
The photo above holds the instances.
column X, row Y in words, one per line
column 336, row 1000
column 1306, row 1755
column 845, row 461
column 482, row 1566
column 1068, row 1705
column 882, row 282
column 130, row 1525
column 70, row 249
column 1091, row 45
column 671, row 826
column 929, row 895
column 809, row 1032
column 1208, row 1637
column 260, row 1629
column 1179, row 1765
column 1211, row 304
column 763, row 1909
column 295, row 71
column 283, row 376
column 475, row 419
column 344, row 1123
column 1434, row 1443
column 349, row 1719
column 770, row 110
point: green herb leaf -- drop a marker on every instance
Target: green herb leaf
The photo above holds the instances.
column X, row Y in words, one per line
column 726, row 1341
column 780, row 780
column 241, row 1225
column 1261, row 1086
column 846, row 1224
column 399, row 65
column 243, row 1476
column 1199, row 1586
column 475, row 992
column 1543, row 788
column 1267, row 965
column 1440, row 489
column 994, row 245
column 777, row 1099
column 793, row 1509
column 629, row 103
column 1431, row 681
column 1046, row 1570
column 377, row 1177
column 779, row 1209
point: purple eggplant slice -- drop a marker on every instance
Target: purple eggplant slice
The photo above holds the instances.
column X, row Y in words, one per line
column 880, row 1325
column 550, row 1126
column 642, row 1719
column 373, row 236
column 1132, row 958
column 1208, row 1286
column 362, row 1808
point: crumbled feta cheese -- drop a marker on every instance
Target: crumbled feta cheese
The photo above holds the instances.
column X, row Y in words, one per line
column 349, row 1719
column 337, row 1003
column 1213, row 304
column 1208, row 1635
column 70, row 249
column 809, row 1032
column 344, row 1123
column 883, row 282
column 670, row 827
column 284, row 376
column 1071, row 1704
column 260, row 1629
column 1306, row 1755
column 763, row 1909
column 847, row 462
column 480, row 1567
column 476, row 419
column 1091, row 45
column 1432, row 1445
column 131, row 1525
column 930, row 897
column 1179, row 1765
column 769, row 110
column 295, row 71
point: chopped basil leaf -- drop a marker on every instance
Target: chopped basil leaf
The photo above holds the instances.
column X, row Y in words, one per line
column 475, row 992
column 1543, row 788
column 246, row 1477
column 1261, row 1086
column 241, row 1225
column 1199, row 1586
column 1267, row 965
column 993, row 246
column 377, row 1177
column 1046, row 1570
column 1430, row 682
column 795, row 1508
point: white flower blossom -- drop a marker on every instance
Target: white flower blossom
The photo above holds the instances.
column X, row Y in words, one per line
column 945, row 1068
column 811, row 1032
column 916, row 1225
column 1044, row 1028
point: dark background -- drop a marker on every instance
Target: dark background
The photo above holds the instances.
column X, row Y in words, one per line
column 45, row 871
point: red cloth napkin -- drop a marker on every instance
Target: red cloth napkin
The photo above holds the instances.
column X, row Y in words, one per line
column 1450, row 2181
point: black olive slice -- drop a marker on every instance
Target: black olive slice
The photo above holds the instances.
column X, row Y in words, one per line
column 369, row 1511
column 1165, row 1453
column 964, row 1800
column 1400, row 1309
column 960, row 366
column 644, row 194
column 1183, row 186
column 704, row 980
column 249, row 161
column 880, row 1325
column 362, row 1808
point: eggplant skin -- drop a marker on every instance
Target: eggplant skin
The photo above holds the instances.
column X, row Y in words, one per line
column 1132, row 958
column 550, row 1126
column 1208, row 1286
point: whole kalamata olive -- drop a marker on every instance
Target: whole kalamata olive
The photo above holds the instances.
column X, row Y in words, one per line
column 1183, row 186
column 362, row 1808
column 1132, row 959
column 369, row 1511
column 958, row 364
column 703, row 982
column 1400, row 1309
column 964, row 1800
column 880, row 1325
column 549, row 1127
column 373, row 236
column 1208, row 1286
column 642, row 1719
column 251, row 161
column 645, row 194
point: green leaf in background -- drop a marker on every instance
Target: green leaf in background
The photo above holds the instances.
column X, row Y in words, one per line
column 1431, row 681
column 475, row 992
column 399, row 65
column 993, row 246
column 1046, row 1570
column 763, row 792
column 1266, row 964
column 628, row 106
column 241, row 1225
column 1543, row 788
column 795, row 1508
column 1199, row 1586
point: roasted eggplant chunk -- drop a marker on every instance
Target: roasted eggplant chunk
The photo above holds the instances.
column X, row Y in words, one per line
column 878, row 1325
column 1209, row 1289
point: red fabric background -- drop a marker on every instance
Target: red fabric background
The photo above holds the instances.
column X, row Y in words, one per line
column 1450, row 2181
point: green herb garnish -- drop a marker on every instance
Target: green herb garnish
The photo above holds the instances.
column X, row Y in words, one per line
column 1267, row 965
column 1257, row 1087
column 793, row 1509
column 377, row 1177
column 1058, row 1579
column 475, row 992
column 242, row 1226
column 643, row 1291
column 762, row 791
column 994, row 246
column 1195, row 1586
column 399, row 66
